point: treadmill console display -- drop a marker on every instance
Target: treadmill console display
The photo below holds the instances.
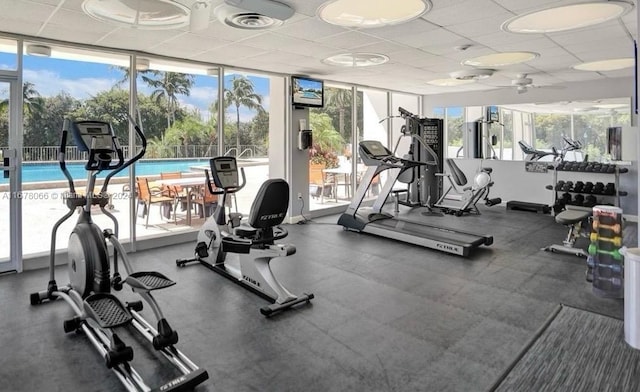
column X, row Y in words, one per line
column 225, row 172
column 374, row 149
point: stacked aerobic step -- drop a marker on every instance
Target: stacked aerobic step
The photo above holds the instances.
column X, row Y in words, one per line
column 604, row 252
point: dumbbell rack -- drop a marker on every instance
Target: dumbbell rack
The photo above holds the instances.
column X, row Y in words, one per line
column 597, row 194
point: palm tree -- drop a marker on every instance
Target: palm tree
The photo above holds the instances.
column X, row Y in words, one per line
column 168, row 86
column 240, row 94
column 30, row 97
column 340, row 99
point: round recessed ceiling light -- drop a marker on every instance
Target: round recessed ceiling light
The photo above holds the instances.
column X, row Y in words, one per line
column 356, row 59
column 606, row 65
column 143, row 14
column 450, row 82
column 567, row 17
column 472, row 74
column 500, row 59
column 358, row 13
column 39, row 50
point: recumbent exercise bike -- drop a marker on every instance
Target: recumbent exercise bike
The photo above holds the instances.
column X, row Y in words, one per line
column 254, row 242
column 98, row 313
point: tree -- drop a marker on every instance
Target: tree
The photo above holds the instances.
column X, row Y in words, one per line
column 43, row 127
column 326, row 140
column 240, row 94
column 188, row 131
column 340, row 99
column 168, row 85
column 259, row 130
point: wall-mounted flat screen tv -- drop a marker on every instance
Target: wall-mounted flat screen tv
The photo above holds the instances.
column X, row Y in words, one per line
column 307, row 92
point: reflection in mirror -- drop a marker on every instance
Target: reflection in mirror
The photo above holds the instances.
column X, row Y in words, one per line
column 545, row 126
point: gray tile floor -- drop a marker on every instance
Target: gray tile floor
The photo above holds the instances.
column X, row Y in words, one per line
column 387, row 316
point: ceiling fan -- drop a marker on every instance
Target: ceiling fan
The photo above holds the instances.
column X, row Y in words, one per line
column 523, row 83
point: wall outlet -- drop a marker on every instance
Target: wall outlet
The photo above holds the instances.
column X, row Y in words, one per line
column 299, row 196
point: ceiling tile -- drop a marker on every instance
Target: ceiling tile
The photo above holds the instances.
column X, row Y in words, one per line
column 311, row 29
column 349, row 40
column 463, row 11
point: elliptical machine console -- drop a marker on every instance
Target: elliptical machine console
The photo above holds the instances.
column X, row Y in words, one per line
column 254, row 242
column 98, row 313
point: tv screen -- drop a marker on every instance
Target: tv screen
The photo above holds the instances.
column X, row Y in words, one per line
column 307, row 92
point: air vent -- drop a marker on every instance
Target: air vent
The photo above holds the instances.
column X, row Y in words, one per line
column 241, row 19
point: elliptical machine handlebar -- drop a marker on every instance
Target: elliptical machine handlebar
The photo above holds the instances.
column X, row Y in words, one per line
column 131, row 161
column 62, row 154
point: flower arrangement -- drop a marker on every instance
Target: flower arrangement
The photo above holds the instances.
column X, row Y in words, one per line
column 319, row 156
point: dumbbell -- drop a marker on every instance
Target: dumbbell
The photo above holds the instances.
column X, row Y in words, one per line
column 566, row 198
column 578, row 200
column 604, row 168
column 582, row 166
column 610, row 189
column 617, row 240
column 589, row 167
column 559, row 185
column 615, row 268
column 568, row 186
column 578, row 187
column 612, row 169
column 593, row 250
column 590, row 201
column 598, row 188
column 615, row 228
column 588, row 187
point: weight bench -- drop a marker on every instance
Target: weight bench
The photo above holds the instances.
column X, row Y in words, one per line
column 573, row 219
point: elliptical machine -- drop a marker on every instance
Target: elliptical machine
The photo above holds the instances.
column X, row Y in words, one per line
column 254, row 242
column 98, row 313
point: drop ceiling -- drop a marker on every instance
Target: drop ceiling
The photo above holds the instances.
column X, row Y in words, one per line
column 424, row 49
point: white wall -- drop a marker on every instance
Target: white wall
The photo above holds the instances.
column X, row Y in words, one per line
column 512, row 182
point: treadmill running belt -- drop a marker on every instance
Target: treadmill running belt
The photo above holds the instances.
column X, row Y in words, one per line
column 443, row 235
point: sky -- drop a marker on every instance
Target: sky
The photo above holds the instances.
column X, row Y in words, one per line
column 82, row 80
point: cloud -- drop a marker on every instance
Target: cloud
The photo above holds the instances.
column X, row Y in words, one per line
column 49, row 83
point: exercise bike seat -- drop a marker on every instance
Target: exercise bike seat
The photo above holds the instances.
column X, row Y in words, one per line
column 457, row 174
column 570, row 217
column 245, row 231
column 487, row 170
column 148, row 280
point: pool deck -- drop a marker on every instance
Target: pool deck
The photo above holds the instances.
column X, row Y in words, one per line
column 43, row 206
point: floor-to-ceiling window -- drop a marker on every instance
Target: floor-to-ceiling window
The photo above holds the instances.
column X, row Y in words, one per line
column 247, row 99
column 373, row 121
column 330, row 155
column 177, row 103
column 8, row 63
column 77, row 84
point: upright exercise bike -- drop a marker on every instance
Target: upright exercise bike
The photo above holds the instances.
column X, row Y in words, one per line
column 254, row 242
column 98, row 313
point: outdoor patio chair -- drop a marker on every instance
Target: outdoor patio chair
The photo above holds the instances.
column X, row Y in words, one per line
column 153, row 195
column 174, row 191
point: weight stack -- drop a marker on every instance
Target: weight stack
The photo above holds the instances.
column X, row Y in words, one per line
column 604, row 252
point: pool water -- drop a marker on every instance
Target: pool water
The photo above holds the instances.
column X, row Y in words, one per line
column 50, row 171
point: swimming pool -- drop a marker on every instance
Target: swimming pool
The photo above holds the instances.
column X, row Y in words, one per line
column 50, row 171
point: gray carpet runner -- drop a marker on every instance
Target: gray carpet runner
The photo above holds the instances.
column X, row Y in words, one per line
column 577, row 351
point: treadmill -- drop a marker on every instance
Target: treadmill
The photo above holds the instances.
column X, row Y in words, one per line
column 372, row 220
